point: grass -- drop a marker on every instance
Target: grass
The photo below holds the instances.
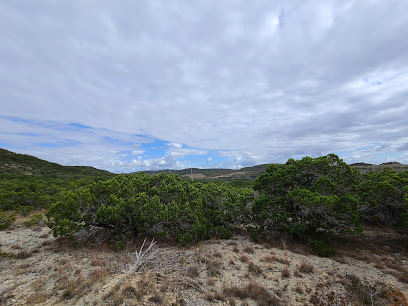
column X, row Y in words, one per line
column 192, row 271
column 249, row 250
column 285, row 272
column 305, row 267
column 254, row 269
column 214, row 268
column 254, row 291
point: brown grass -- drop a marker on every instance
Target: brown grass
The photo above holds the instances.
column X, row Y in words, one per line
column 254, row 291
column 214, row 296
column 305, row 267
column 213, row 268
column 268, row 258
column 192, row 271
column 37, row 298
column 285, row 273
column 254, row 269
column 249, row 249
column 244, row 258
column 98, row 275
column 281, row 260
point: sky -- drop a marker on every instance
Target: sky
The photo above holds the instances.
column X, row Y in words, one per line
column 145, row 85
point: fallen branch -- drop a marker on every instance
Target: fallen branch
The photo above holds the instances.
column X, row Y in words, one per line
column 142, row 257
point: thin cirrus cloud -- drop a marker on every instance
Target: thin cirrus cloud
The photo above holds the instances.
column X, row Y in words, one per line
column 128, row 86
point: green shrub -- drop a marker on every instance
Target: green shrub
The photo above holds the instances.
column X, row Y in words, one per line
column 6, row 220
column 161, row 204
column 308, row 197
column 321, row 248
column 384, row 198
column 34, row 220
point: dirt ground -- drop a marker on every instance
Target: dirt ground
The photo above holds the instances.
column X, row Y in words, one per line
column 36, row 268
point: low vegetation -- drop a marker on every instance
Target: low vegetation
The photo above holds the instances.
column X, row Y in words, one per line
column 314, row 205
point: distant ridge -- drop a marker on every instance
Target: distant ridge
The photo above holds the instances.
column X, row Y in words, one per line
column 247, row 173
column 364, row 167
column 22, row 164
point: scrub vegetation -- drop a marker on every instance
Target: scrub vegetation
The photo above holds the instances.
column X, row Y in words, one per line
column 313, row 206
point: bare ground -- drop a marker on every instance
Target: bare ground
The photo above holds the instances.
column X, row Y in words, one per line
column 36, row 268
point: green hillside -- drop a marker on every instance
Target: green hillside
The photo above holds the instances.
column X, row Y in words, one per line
column 22, row 164
column 247, row 173
column 27, row 182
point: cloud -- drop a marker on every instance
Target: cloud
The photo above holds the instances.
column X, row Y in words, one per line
column 404, row 147
column 258, row 82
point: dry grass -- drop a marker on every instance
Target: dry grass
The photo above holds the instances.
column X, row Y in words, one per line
column 254, row 269
column 281, row 260
column 193, row 271
column 299, row 289
column 268, row 258
column 98, row 275
column 37, row 298
column 249, row 249
column 214, row 296
column 285, row 272
column 254, row 291
column 211, row 282
column 214, row 268
column 305, row 267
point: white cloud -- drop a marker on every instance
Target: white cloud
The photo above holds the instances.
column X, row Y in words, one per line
column 260, row 81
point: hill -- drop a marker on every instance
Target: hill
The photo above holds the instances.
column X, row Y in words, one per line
column 22, row 164
column 365, row 167
column 247, row 173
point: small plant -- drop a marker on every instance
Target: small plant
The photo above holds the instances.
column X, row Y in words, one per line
column 6, row 220
column 285, row 273
column 99, row 274
column 254, row 291
column 213, row 268
column 305, row 267
column 34, row 220
column 156, row 298
column 321, row 249
column 214, row 296
column 397, row 297
column 211, row 282
column 254, row 269
column 244, row 258
column 268, row 258
column 249, row 249
column 117, row 246
column 192, row 271
column 299, row 289
column 282, row 260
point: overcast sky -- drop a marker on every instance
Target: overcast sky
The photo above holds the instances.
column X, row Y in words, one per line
column 137, row 85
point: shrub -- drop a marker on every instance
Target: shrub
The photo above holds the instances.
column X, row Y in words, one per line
column 34, row 220
column 161, row 204
column 6, row 220
column 308, row 197
column 321, row 248
column 384, row 198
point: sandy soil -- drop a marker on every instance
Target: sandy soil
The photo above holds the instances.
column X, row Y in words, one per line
column 36, row 268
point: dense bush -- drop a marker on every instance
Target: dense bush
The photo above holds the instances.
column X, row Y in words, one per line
column 6, row 220
column 161, row 204
column 384, row 198
column 308, row 197
column 24, row 193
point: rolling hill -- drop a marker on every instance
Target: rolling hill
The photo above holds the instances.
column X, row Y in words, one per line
column 22, row 164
